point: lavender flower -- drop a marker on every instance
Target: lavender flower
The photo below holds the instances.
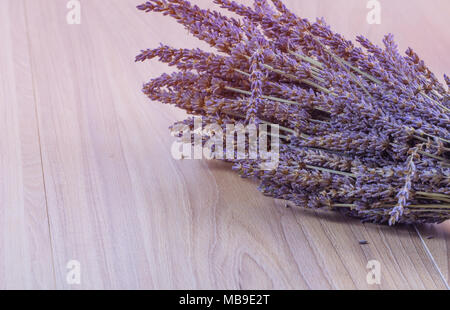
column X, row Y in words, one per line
column 365, row 129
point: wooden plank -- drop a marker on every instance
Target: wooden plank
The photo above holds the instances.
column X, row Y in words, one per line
column 25, row 249
column 135, row 218
column 437, row 241
column 93, row 217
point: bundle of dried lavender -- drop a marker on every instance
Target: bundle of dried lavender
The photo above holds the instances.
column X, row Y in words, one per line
column 364, row 129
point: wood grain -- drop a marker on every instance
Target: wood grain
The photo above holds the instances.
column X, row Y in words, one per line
column 137, row 219
column 25, row 250
column 437, row 241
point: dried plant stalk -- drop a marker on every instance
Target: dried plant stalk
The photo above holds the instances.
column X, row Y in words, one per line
column 364, row 129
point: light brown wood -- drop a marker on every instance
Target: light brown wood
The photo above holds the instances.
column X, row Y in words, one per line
column 25, row 249
column 437, row 240
column 116, row 201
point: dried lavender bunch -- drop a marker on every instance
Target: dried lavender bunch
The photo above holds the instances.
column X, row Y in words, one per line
column 365, row 129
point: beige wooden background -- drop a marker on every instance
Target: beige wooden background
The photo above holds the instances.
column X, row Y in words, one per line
column 86, row 172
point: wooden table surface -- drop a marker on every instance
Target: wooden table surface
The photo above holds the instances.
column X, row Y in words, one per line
column 86, row 172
